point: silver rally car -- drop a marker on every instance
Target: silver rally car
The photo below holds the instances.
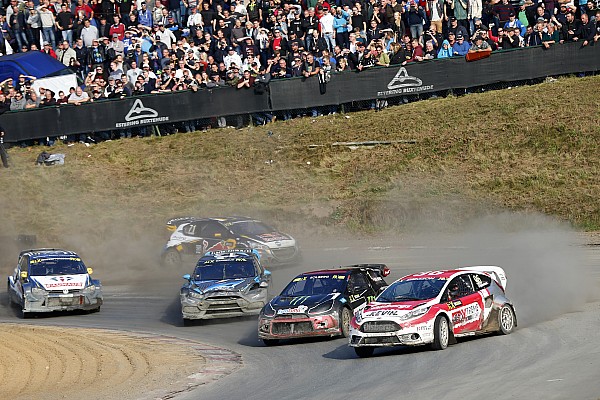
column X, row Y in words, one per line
column 47, row 280
column 228, row 283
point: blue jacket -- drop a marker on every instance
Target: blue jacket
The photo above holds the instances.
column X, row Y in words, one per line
column 461, row 49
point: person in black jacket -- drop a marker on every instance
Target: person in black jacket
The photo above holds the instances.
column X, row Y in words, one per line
column 3, row 154
column 571, row 30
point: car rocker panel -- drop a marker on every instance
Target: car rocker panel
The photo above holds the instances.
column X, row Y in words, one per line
column 412, row 321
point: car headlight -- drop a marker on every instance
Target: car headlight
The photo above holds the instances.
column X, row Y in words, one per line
column 417, row 312
column 195, row 294
column 36, row 291
column 268, row 310
column 321, row 308
column 89, row 289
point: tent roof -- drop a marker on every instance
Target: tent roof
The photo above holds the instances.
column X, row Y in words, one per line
column 34, row 63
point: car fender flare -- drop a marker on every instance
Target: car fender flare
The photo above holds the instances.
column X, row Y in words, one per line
column 446, row 314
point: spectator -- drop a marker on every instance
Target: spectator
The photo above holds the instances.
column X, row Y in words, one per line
column 397, row 54
column 340, row 25
column 117, row 27
column 3, row 154
column 145, row 17
column 115, row 48
column 78, row 97
column 48, row 50
column 513, row 22
column 455, row 28
column 461, row 47
column 571, row 29
column 18, row 102
column 588, row 30
column 96, row 55
column 437, row 13
column 65, row 53
column 64, row 23
column 461, row 15
column 446, row 50
column 17, row 24
column 479, row 45
column 416, row 50
column 430, row 53
column 502, row 12
column 48, row 22
column 507, row 39
column 536, row 36
column 88, row 33
column 434, row 36
column 35, row 25
column 33, row 100
column 310, row 67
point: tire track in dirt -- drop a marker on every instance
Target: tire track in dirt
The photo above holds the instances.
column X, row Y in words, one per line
column 98, row 364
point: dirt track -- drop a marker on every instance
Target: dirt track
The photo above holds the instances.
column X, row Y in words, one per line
column 91, row 364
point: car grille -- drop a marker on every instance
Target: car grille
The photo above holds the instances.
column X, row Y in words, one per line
column 381, row 340
column 284, row 253
column 291, row 316
column 288, row 328
column 223, row 307
column 380, row 327
column 73, row 291
column 64, row 301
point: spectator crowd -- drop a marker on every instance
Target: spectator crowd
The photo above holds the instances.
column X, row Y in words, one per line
column 121, row 48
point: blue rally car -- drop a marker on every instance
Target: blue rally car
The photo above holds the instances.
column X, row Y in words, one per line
column 48, row 280
column 226, row 283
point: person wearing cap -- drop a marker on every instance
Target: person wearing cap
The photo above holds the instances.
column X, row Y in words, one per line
column 462, row 46
column 47, row 21
column 513, row 22
column 455, row 28
column 47, row 48
column 479, row 45
column 508, row 40
column 96, row 54
column 231, row 57
column 461, row 15
column 194, row 22
column 327, row 30
column 145, row 17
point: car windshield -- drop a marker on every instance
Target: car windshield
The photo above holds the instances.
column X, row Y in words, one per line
column 308, row 285
column 413, row 289
column 215, row 270
column 250, row 228
column 57, row 266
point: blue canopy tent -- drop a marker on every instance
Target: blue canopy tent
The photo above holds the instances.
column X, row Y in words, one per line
column 49, row 72
column 34, row 63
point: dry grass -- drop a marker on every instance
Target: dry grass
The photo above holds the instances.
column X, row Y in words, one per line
column 529, row 148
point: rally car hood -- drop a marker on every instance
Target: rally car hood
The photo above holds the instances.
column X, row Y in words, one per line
column 224, row 285
column 299, row 304
column 61, row 282
column 273, row 240
column 395, row 309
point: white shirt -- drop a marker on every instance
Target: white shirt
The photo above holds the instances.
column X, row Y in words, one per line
column 326, row 23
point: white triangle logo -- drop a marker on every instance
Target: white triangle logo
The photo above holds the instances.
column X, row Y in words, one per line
column 402, row 79
column 138, row 111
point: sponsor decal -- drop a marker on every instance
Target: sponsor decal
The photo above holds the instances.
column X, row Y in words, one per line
column 295, row 310
column 139, row 115
column 403, row 83
column 272, row 237
column 453, row 304
column 465, row 315
column 383, row 313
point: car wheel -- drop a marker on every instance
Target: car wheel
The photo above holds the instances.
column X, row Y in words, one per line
column 270, row 342
column 441, row 333
column 171, row 258
column 506, row 319
column 345, row 317
column 364, row 352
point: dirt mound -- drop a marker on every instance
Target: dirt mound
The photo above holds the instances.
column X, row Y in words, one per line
column 94, row 364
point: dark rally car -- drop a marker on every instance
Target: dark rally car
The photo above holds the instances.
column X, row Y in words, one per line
column 320, row 303
column 192, row 237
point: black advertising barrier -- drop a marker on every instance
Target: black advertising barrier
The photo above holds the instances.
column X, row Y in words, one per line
column 130, row 112
column 298, row 93
column 436, row 75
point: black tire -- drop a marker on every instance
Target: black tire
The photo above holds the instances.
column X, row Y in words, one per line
column 506, row 319
column 345, row 317
column 26, row 315
column 441, row 333
column 171, row 258
column 364, row 352
column 270, row 342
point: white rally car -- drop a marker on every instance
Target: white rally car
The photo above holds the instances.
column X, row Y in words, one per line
column 435, row 307
column 48, row 280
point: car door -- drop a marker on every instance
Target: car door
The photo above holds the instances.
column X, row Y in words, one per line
column 481, row 283
column 193, row 243
column 17, row 280
column 466, row 310
column 217, row 237
column 360, row 291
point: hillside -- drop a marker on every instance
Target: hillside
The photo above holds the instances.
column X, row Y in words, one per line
column 450, row 159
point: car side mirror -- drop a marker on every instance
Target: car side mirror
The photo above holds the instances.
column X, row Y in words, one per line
column 187, row 277
column 267, row 272
column 90, row 271
column 263, row 284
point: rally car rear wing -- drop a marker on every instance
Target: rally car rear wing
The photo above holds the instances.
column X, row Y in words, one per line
column 497, row 273
column 381, row 268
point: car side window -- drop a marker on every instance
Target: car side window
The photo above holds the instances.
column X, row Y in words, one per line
column 215, row 230
column 376, row 280
column 358, row 283
column 481, row 281
column 23, row 262
column 192, row 230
